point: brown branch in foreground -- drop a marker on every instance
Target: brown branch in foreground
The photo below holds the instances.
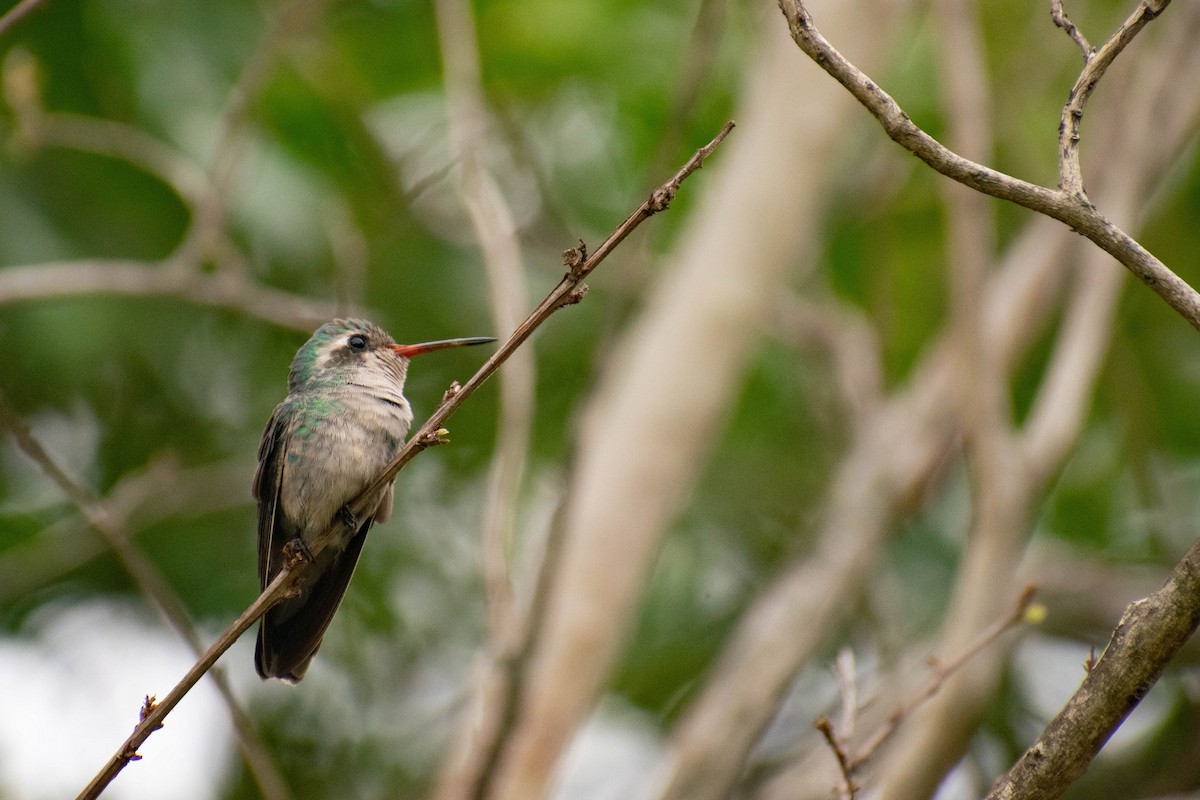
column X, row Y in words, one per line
column 1148, row 636
column 426, row 436
column 1061, row 204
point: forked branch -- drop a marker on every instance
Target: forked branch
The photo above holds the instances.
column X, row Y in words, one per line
column 1067, row 204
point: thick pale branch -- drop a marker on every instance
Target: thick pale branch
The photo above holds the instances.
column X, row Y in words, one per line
column 580, row 265
column 161, row 279
column 37, row 128
column 160, row 491
column 496, row 233
column 205, row 235
column 1063, row 205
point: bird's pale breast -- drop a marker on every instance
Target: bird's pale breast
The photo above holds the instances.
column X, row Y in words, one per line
column 337, row 447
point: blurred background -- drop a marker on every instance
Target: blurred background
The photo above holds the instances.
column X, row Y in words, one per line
column 822, row 420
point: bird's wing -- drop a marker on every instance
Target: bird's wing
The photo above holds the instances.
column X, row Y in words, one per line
column 268, row 480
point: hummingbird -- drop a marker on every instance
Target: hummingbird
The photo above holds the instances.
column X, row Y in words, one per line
column 344, row 418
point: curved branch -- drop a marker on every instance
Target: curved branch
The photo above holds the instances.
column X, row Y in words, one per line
column 1072, row 210
column 496, row 233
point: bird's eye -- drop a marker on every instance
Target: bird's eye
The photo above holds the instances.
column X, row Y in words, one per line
column 357, row 342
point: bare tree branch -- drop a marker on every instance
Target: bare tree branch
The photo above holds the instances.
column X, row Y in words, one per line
column 849, row 763
column 1070, row 175
column 205, row 237
column 663, row 394
column 1094, row 310
column 940, row 731
column 1063, row 204
column 469, row 767
column 161, row 490
column 1020, row 295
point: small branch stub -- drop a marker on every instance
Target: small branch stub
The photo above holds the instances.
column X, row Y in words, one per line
column 296, row 552
column 575, row 295
column 148, row 705
column 435, row 438
column 575, row 260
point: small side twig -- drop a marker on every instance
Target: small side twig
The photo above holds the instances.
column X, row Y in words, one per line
column 1070, row 175
column 940, row 673
column 420, row 440
column 847, row 789
column 1059, row 15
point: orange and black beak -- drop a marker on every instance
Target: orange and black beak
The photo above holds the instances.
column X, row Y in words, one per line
column 410, row 350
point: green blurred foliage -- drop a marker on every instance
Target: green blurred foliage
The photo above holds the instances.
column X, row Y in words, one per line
column 347, row 132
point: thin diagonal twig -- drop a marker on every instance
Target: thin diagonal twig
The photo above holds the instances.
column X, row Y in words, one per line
column 851, row 761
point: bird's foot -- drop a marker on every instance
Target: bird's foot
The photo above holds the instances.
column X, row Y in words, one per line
column 296, row 552
column 347, row 515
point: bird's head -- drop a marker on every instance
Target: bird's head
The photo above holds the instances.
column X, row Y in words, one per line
column 341, row 350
